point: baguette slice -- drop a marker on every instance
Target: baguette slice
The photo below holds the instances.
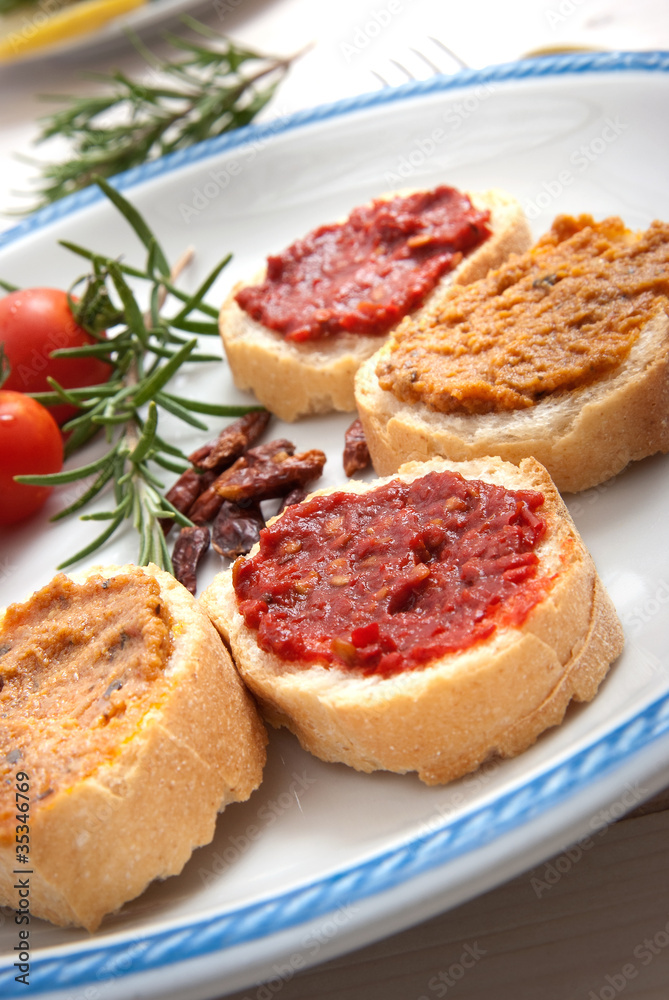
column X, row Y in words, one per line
column 99, row 840
column 296, row 379
column 583, row 436
column 492, row 698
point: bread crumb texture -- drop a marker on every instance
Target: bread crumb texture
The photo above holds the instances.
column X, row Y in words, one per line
column 120, row 704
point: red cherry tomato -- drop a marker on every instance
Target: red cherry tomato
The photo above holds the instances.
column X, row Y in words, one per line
column 33, row 323
column 30, row 444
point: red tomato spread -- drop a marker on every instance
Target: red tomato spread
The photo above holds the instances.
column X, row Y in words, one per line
column 393, row 578
column 363, row 275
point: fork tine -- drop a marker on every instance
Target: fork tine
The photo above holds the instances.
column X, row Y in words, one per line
column 384, row 83
column 449, row 52
column 407, row 72
column 409, row 75
column 428, row 62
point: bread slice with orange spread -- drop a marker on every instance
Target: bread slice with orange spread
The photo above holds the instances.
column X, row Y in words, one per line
column 561, row 353
column 371, row 692
column 296, row 378
column 124, row 730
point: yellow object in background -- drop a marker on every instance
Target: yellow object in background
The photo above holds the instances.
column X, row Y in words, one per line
column 49, row 23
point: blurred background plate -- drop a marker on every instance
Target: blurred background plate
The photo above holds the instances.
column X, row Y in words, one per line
column 50, row 27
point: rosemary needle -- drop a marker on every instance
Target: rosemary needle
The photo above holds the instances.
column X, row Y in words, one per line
column 145, row 350
column 213, row 88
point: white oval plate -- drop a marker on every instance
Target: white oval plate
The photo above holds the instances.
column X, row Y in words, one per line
column 323, row 858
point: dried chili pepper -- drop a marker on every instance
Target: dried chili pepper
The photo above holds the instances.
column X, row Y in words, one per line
column 264, row 473
column 236, row 528
column 228, row 491
column 232, row 442
column 356, row 452
column 190, row 546
column 186, row 489
column 208, row 504
column 295, row 496
column 185, row 492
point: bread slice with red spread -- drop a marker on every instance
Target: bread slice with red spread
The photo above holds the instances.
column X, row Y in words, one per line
column 124, row 730
column 293, row 378
column 584, row 388
column 468, row 615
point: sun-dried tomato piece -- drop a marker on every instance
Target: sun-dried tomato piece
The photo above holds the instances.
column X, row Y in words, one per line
column 232, row 442
column 356, row 452
column 262, row 452
column 295, row 496
column 189, row 547
column 208, row 504
column 262, row 473
column 236, row 528
column 186, row 489
column 185, row 492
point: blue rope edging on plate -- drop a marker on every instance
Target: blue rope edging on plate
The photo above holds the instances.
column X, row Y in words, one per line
column 560, row 65
column 248, row 923
column 96, row 964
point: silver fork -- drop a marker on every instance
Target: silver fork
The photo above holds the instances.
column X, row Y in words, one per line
column 417, row 65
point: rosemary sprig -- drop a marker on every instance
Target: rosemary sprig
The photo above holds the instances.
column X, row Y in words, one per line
column 214, row 88
column 145, row 350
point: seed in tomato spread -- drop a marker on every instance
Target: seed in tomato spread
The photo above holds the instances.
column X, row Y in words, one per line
column 363, row 275
column 554, row 319
column 391, row 579
column 80, row 665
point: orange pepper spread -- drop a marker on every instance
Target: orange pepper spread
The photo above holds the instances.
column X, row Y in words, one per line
column 80, row 664
column 563, row 315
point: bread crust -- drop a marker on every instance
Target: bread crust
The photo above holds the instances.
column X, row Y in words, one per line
column 583, row 437
column 296, row 379
column 494, row 698
column 138, row 817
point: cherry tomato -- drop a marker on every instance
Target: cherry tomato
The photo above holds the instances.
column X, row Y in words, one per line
column 30, row 444
column 33, row 323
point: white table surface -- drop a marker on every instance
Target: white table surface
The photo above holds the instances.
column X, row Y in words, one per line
column 584, row 936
